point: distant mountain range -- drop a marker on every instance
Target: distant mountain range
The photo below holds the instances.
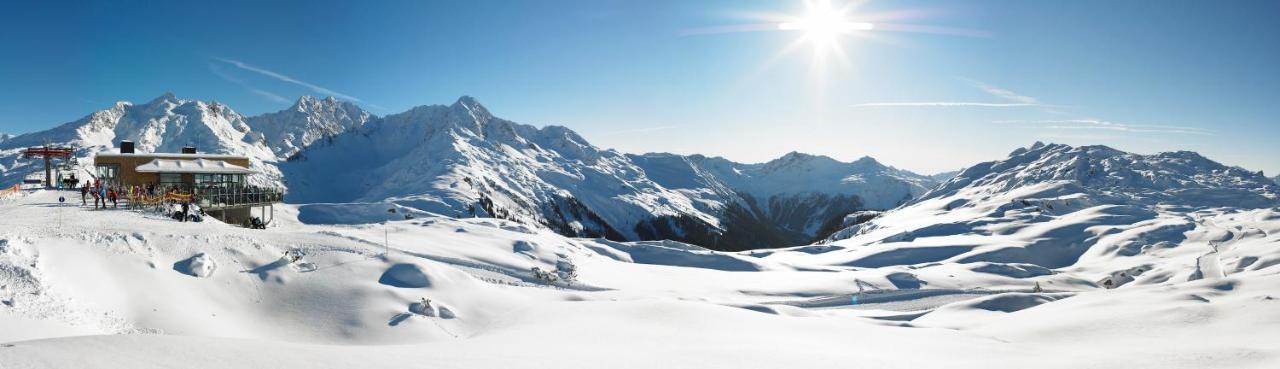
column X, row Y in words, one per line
column 459, row 160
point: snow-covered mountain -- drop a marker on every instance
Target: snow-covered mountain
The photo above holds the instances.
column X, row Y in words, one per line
column 1113, row 176
column 789, row 200
column 164, row 124
column 460, row 160
column 1055, row 205
column 308, row 120
column 167, row 123
column 5, row 137
column 944, row 176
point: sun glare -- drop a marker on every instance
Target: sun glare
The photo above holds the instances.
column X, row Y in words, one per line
column 824, row 23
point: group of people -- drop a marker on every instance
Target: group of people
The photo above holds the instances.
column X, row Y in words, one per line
column 104, row 193
column 101, row 194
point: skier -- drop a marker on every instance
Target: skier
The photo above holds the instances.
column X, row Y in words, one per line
column 84, row 191
column 113, row 196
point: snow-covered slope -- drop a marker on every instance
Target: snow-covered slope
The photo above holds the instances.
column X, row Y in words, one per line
column 309, row 120
column 108, row 289
column 165, row 124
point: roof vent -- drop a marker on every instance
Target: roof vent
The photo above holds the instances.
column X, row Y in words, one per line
column 126, row 147
column 188, row 149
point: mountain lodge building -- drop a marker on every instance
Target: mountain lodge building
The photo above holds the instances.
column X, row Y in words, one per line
column 216, row 182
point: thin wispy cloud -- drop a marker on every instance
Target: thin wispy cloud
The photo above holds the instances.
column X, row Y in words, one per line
column 1014, row 100
column 1098, row 124
column 637, row 130
column 283, row 78
column 217, row 70
column 943, row 104
column 1003, row 93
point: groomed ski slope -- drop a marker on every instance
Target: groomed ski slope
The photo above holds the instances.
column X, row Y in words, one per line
column 111, row 289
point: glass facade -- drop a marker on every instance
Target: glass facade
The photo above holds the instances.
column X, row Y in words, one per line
column 219, row 180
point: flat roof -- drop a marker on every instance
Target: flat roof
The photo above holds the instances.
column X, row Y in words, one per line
column 112, row 154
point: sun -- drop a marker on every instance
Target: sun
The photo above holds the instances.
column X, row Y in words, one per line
column 823, row 23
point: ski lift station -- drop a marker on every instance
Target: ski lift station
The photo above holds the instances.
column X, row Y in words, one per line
column 215, row 182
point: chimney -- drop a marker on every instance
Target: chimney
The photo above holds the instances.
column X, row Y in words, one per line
column 126, row 147
column 188, row 149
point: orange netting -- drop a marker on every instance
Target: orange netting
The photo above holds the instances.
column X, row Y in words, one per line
column 178, row 197
column 11, row 190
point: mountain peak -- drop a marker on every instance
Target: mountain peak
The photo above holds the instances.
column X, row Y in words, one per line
column 471, row 104
column 168, row 96
column 467, row 100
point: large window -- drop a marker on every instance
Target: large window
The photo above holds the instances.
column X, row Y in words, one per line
column 109, row 173
column 170, row 179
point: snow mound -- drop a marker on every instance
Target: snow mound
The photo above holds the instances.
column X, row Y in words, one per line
column 405, row 275
column 1008, row 302
column 1012, row 270
column 200, row 265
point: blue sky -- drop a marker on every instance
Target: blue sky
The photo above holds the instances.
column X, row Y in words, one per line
column 934, row 86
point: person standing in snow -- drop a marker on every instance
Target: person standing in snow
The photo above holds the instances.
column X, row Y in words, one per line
column 113, row 196
column 102, row 193
column 84, row 191
column 94, row 191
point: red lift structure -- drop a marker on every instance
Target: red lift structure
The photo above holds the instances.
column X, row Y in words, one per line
column 48, row 153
